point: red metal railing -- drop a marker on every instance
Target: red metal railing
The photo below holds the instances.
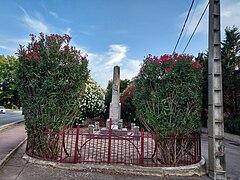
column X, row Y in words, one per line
column 146, row 149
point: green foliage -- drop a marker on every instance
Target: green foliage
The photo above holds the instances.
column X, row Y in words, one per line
column 230, row 55
column 232, row 125
column 203, row 59
column 168, row 94
column 231, row 72
column 92, row 103
column 8, row 91
column 51, row 78
column 108, row 98
column 128, row 110
column 14, row 107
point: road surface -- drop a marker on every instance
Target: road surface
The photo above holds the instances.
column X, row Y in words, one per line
column 10, row 116
column 232, row 153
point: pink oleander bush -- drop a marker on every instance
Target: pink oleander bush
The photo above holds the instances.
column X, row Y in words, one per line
column 168, row 97
column 168, row 94
column 128, row 110
column 51, row 77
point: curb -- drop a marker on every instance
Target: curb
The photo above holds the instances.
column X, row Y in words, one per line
column 10, row 125
column 6, row 158
column 198, row 169
column 228, row 136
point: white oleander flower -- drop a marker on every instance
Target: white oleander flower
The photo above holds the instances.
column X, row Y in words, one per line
column 92, row 103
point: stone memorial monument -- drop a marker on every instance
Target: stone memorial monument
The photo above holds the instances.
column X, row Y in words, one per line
column 115, row 106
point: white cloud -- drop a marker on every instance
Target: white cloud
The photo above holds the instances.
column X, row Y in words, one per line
column 101, row 64
column 230, row 13
column 117, row 53
column 11, row 40
column 9, row 44
column 35, row 24
column 229, row 16
column 68, row 30
column 194, row 18
column 130, row 69
column 3, row 47
column 9, row 50
column 53, row 14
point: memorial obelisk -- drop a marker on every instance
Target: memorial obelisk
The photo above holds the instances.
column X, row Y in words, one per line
column 115, row 105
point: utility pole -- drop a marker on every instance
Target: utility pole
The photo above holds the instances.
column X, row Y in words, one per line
column 216, row 149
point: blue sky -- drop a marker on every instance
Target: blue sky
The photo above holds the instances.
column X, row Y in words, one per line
column 111, row 32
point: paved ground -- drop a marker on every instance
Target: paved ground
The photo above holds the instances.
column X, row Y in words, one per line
column 19, row 169
column 10, row 138
column 232, row 151
column 10, row 116
column 16, row 168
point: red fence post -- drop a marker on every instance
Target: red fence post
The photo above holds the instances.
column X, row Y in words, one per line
column 76, row 146
column 63, row 146
column 109, row 140
column 156, row 145
column 200, row 147
column 33, row 144
column 196, row 148
column 142, row 147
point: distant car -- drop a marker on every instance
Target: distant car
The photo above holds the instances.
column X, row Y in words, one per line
column 2, row 110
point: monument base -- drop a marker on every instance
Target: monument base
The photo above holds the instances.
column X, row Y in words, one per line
column 116, row 124
column 121, row 132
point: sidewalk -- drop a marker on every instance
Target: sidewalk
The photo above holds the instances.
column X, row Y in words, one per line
column 18, row 168
column 10, row 138
column 227, row 136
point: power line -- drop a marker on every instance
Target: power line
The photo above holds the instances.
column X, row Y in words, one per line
column 189, row 22
column 196, row 27
column 183, row 26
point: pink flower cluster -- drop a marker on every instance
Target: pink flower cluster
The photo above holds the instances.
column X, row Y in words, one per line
column 66, row 48
column 51, row 42
column 172, row 59
column 30, row 55
column 129, row 92
column 197, row 65
column 168, row 58
column 57, row 37
column 169, row 69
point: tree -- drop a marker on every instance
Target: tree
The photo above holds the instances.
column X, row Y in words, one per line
column 202, row 58
column 230, row 56
column 8, row 91
column 231, row 72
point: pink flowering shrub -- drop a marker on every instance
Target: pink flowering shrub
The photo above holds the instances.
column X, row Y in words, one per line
column 168, row 94
column 51, row 77
column 128, row 110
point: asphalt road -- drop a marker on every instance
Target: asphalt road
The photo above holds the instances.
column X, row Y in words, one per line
column 232, row 153
column 10, row 116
